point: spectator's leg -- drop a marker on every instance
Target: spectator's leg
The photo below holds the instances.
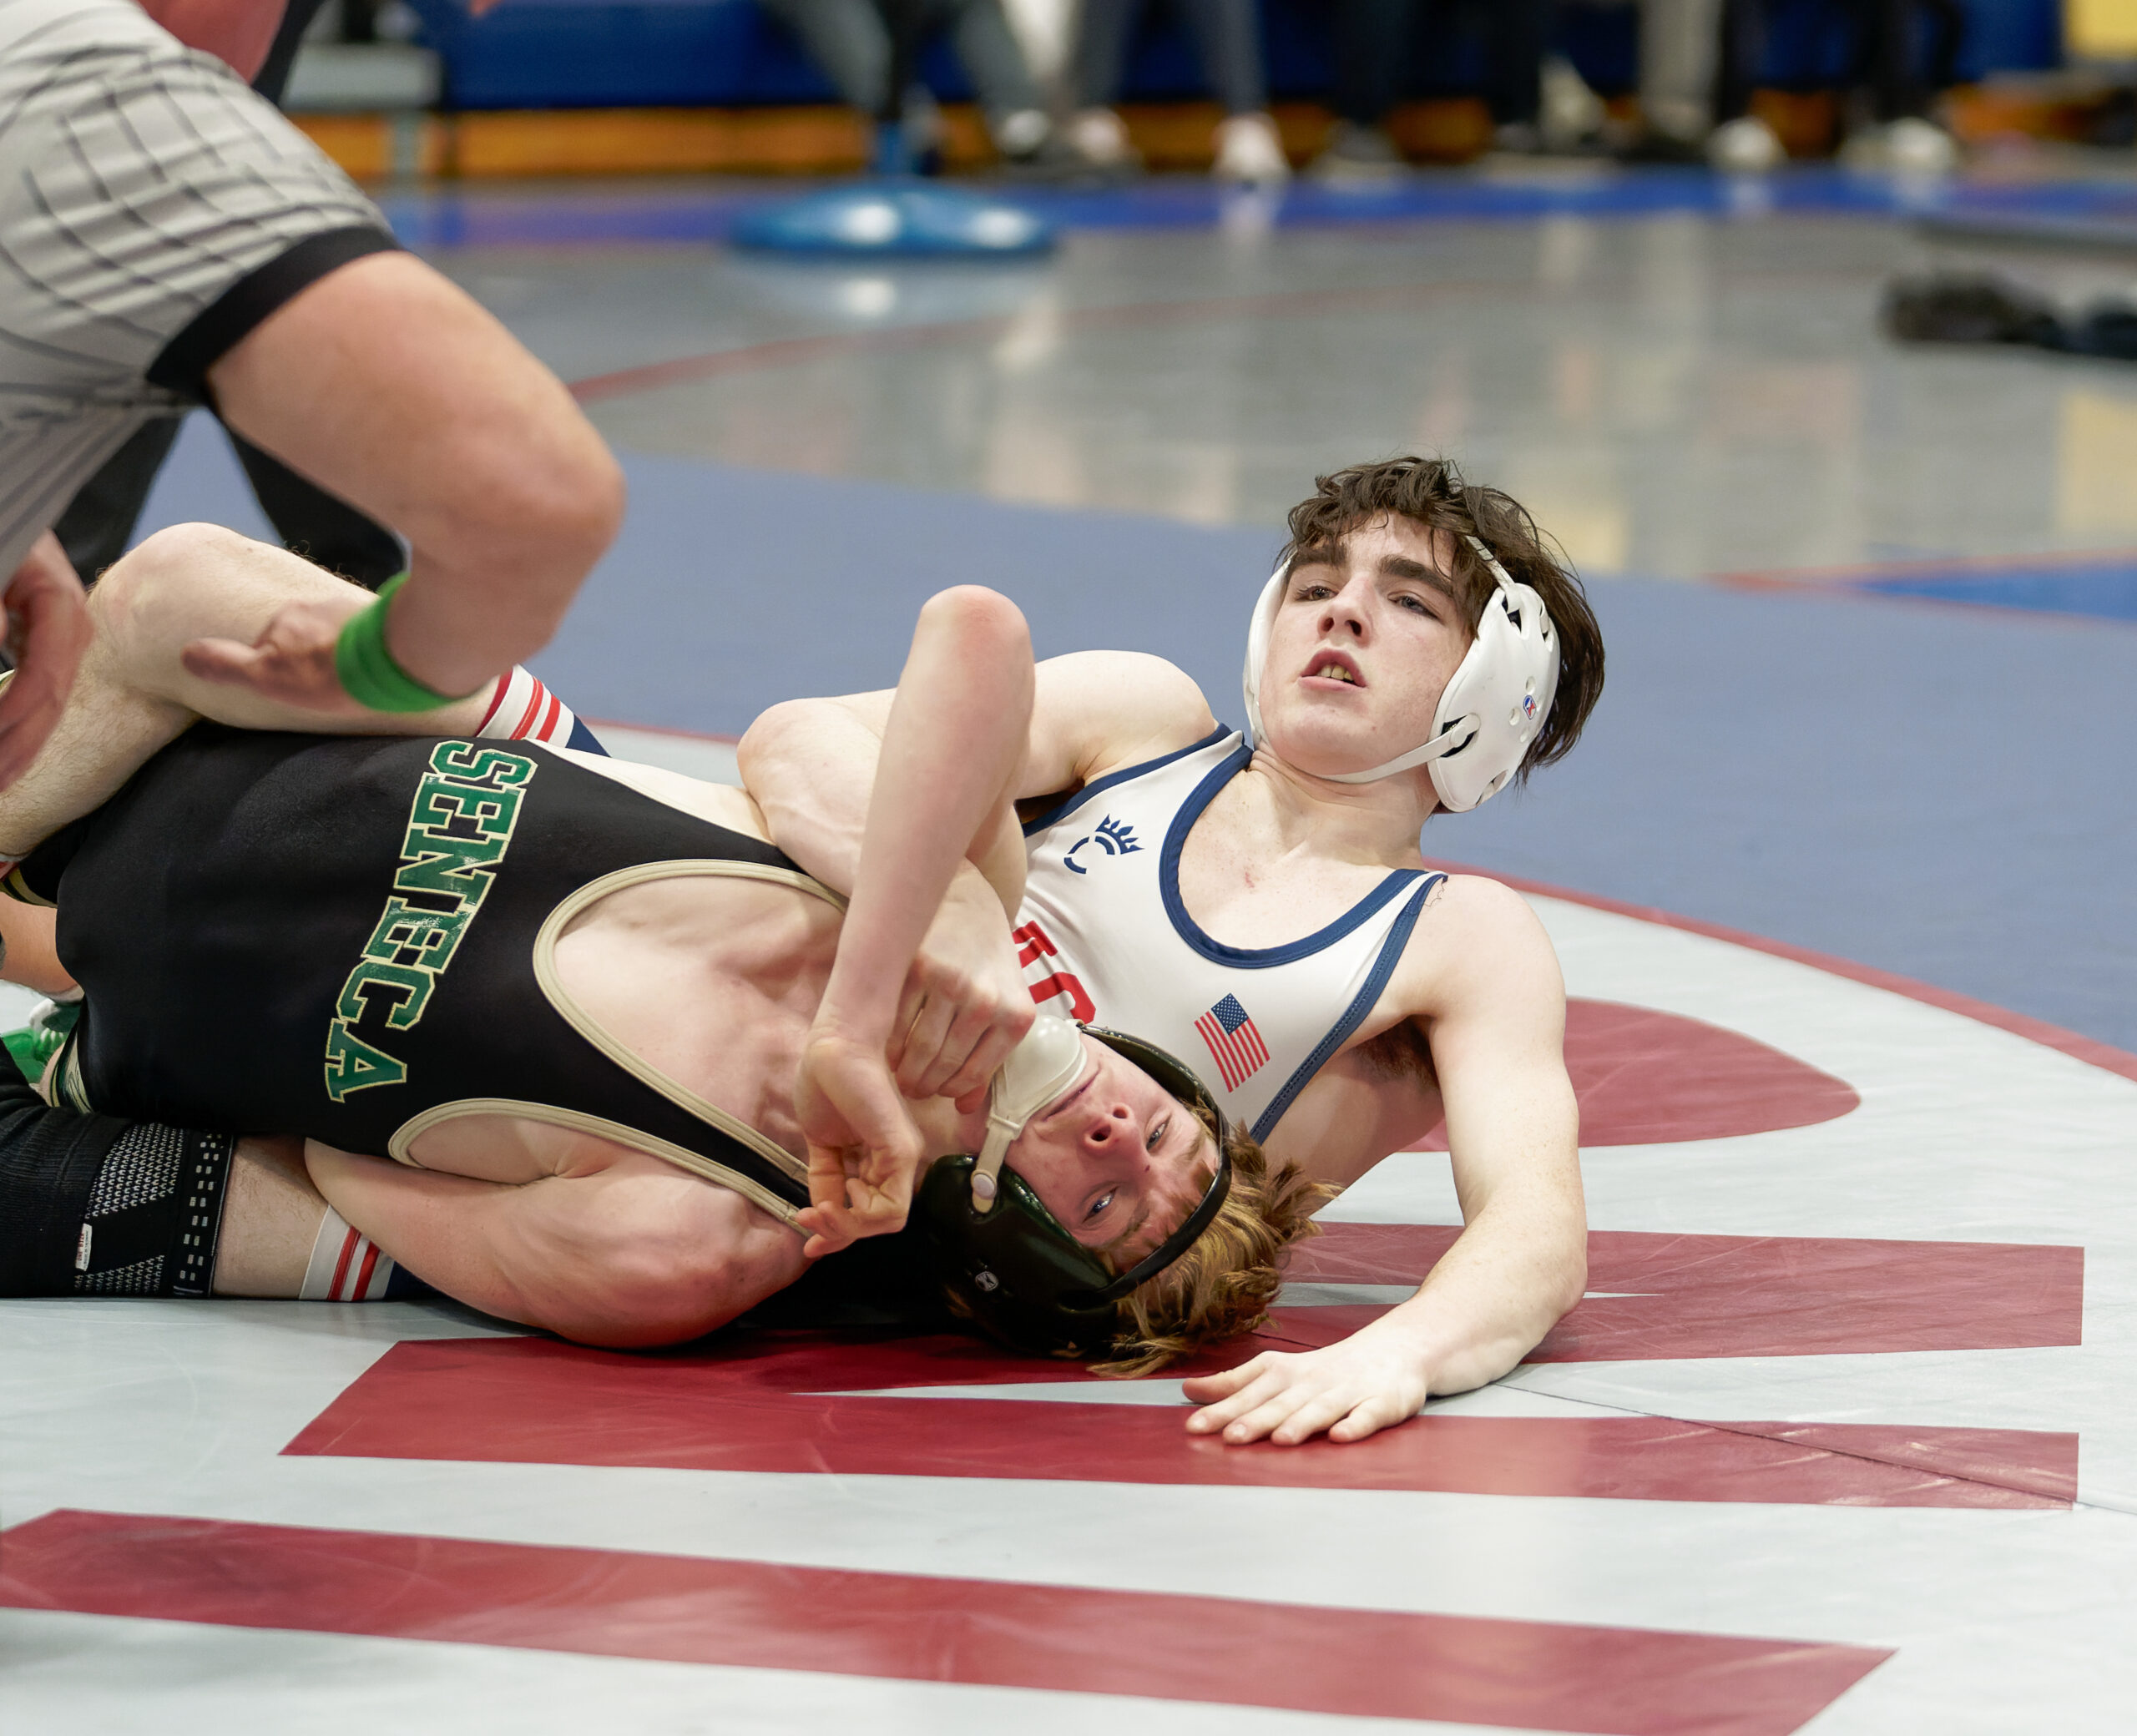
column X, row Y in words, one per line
column 847, row 39
column 1947, row 23
column 324, row 529
column 1097, row 66
column 1679, row 42
column 1743, row 51
column 1371, row 40
column 1895, row 87
column 99, row 522
column 1016, row 112
column 1101, row 61
column 1515, row 33
column 1229, row 32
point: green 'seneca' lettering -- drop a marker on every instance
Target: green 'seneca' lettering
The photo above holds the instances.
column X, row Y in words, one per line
column 459, row 827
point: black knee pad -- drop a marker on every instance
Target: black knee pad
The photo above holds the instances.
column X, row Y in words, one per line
column 93, row 1205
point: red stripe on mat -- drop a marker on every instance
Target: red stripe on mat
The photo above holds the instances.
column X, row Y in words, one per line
column 761, row 1404
column 1696, row 1296
column 1371, row 1663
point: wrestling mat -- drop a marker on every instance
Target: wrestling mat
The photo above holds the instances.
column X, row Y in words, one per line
column 1839, row 1440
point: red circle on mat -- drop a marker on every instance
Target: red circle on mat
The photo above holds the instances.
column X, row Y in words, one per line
column 1645, row 1077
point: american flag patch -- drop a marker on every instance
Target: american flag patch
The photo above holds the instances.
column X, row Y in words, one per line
column 1234, row 1042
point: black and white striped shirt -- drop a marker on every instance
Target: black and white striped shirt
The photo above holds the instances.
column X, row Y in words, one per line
column 153, row 210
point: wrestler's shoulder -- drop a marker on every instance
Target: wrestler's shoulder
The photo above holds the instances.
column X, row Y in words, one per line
column 1131, row 698
column 1478, row 938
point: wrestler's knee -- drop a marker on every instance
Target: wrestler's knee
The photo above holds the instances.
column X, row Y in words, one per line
column 172, row 563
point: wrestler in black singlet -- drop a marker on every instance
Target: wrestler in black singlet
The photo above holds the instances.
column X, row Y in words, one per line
column 328, row 936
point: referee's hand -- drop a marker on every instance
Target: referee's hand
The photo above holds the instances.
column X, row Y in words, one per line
column 48, row 631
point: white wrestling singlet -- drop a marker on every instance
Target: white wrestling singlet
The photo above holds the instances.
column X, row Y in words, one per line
column 1105, row 938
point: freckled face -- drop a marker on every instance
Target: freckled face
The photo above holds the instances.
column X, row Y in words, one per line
column 1364, row 642
column 1117, row 1158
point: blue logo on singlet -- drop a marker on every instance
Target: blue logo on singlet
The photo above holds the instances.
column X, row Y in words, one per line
column 1112, row 837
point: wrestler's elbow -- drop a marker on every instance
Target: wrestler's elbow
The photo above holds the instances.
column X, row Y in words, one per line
column 978, row 621
column 536, row 506
column 640, row 1278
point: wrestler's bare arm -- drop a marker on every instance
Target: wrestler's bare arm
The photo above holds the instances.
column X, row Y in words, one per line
column 810, row 764
column 617, row 1249
column 1489, row 987
column 942, row 796
column 386, row 382
column 136, row 693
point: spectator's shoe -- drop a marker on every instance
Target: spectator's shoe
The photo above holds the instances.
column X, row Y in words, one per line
column 1906, row 146
column 1913, row 146
column 1572, row 116
column 1653, row 146
column 1251, row 152
column 1021, row 135
column 1355, row 154
column 1746, row 145
column 1100, row 137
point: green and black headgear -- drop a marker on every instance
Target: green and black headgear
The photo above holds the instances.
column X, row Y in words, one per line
column 994, row 1245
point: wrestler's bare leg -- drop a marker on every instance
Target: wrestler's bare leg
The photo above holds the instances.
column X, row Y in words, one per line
column 133, row 695
column 618, row 1248
column 28, row 953
column 271, row 1215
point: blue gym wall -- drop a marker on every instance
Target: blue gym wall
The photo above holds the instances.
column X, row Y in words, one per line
column 569, row 53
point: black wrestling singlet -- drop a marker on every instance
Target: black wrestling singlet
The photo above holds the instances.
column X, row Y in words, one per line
column 333, row 936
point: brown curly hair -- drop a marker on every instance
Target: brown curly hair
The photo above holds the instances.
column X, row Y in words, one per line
column 1221, row 1288
column 1431, row 492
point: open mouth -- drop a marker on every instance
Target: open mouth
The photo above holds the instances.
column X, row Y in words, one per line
column 1333, row 666
column 1068, row 1099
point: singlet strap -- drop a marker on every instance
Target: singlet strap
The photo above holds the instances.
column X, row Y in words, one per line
column 413, row 1129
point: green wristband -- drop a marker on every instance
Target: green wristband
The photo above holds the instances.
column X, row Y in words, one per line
column 369, row 674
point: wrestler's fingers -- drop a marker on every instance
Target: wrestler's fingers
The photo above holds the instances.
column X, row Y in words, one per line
column 1209, row 1389
column 827, row 1235
column 1312, row 1416
column 1277, row 1408
column 1369, row 1418
column 968, row 1084
column 922, row 1044
column 952, row 1057
column 1249, row 1398
column 268, row 669
column 910, row 1002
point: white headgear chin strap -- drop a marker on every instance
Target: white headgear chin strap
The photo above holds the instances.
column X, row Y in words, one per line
column 1045, row 1064
column 1495, row 705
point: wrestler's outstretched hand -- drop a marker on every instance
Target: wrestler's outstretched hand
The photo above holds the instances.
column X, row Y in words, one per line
column 965, row 1004
column 292, row 661
column 863, row 1147
column 1373, row 1379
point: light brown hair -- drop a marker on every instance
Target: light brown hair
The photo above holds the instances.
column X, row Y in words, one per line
column 1431, row 492
column 1221, row 1288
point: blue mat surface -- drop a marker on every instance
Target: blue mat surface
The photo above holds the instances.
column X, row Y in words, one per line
column 2103, row 592
column 700, row 212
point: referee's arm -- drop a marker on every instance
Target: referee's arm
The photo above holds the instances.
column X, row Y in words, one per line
column 387, row 385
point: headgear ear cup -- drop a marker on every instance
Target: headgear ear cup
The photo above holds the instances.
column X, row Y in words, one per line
column 1494, row 706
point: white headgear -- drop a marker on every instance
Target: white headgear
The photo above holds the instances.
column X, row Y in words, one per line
column 1495, row 705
